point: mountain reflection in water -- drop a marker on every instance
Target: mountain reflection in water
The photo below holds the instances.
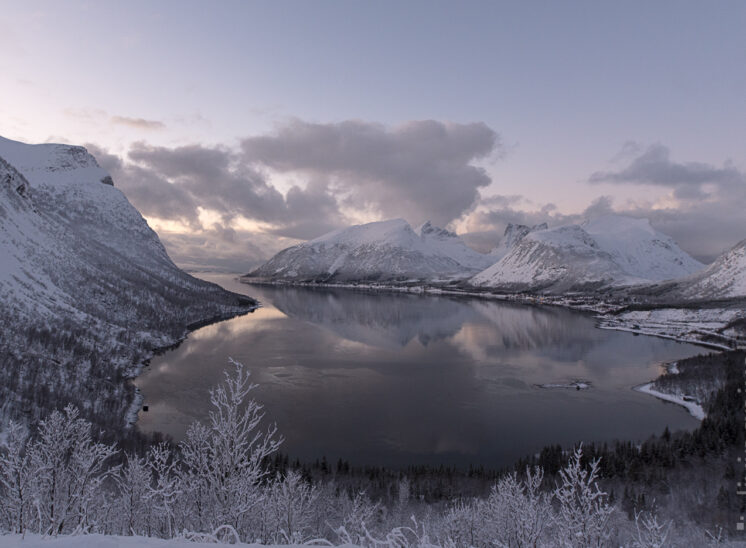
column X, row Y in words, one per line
column 395, row 379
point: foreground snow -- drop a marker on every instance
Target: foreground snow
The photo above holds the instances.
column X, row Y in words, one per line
column 107, row 541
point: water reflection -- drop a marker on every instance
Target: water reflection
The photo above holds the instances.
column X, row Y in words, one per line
column 396, row 379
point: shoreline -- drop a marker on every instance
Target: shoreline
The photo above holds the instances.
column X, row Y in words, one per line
column 131, row 415
column 603, row 311
column 695, row 409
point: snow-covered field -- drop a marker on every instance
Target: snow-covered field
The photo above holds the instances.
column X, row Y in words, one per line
column 696, row 325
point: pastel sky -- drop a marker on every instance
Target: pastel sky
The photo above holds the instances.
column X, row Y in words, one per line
column 239, row 128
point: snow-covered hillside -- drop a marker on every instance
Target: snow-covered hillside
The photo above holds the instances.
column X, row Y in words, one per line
column 610, row 251
column 725, row 278
column 86, row 288
column 513, row 234
column 381, row 251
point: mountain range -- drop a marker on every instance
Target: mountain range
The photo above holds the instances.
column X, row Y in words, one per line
column 607, row 253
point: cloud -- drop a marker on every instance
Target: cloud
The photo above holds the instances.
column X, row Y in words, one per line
column 138, row 123
column 149, row 191
column 220, row 180
column 419, row 170
column 213, row 193
column 654, row 166
column 703, row 211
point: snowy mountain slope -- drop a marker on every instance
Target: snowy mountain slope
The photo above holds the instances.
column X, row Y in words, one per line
column 513, row 234
column 724, row 278
column 380, row 251
column 639, row 249
column 87, row 290
column 609, row 251
column 448, row 243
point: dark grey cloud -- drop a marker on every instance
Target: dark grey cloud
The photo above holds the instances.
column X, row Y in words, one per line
column 707, row 217
column 419, row 170
column 150, row 192
column 173, row 183
column 654, row 166
column 138, row 123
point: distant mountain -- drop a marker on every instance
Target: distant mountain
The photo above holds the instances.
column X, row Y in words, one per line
column 514, row 233
column 386, row 251
column 724, row 278
column 607, row 252
column 87, row 290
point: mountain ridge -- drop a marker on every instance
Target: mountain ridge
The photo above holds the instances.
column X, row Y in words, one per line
column 380, row 251
column 610, row 251
column 87, row 290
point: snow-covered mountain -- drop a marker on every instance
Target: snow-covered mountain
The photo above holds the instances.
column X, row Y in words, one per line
column 376, row 252
column 514, row 233
column 87, row 290
column 724, row 278
column 609, row 251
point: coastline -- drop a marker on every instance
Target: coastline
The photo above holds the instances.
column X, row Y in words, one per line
column 130, row 416
column 607, row 314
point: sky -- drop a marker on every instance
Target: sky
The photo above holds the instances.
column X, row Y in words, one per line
column 240, row 128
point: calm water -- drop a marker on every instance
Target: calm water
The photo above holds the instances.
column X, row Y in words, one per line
column 402, row 379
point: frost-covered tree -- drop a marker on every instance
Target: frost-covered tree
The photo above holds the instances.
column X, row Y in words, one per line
column 134, row 481
column 582, row 519
column 359, row 514
column 462, row 525
column 194, row 475
column 69, row 469
column 227, row 457
column 15, row 478
column 290, row 505
column 516, row 511
column 165, row 488
column 649, row 532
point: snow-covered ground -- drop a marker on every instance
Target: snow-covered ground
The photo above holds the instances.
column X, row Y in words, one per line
column 113, row 541
column 693, row 407
column 698, row 325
